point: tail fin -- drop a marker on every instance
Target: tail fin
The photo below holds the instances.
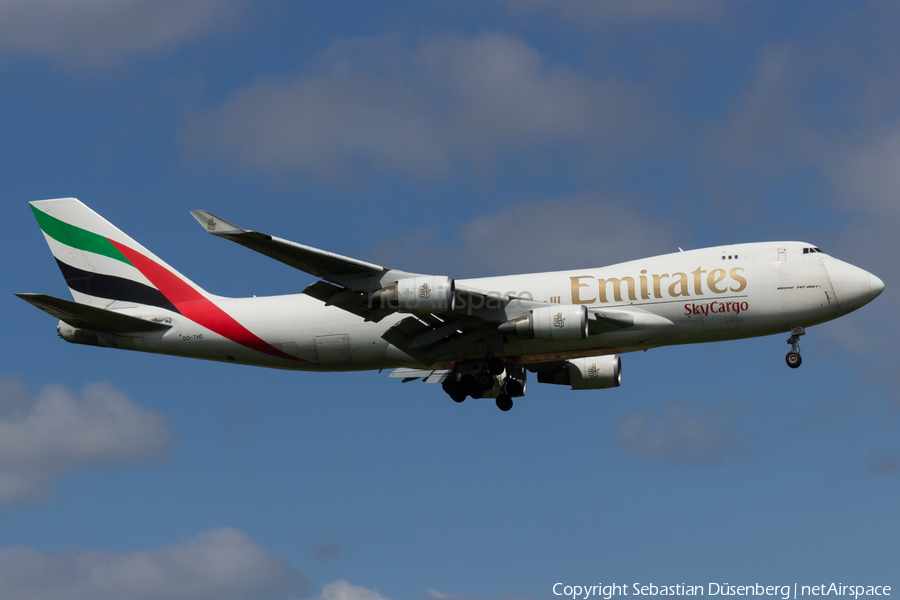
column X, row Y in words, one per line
column 102, row 265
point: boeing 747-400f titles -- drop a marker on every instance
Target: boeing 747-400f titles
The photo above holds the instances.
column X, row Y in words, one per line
column 476, row 337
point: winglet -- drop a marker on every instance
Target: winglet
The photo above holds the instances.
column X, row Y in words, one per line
column 214, row 224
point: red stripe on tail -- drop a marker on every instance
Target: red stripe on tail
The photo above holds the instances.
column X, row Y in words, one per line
column 193, row 305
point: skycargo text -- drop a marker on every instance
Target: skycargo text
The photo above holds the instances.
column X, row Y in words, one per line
column 785, row 592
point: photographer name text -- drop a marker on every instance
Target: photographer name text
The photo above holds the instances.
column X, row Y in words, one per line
column 785, row 592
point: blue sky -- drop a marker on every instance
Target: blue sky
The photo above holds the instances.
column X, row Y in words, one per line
column 467, row 139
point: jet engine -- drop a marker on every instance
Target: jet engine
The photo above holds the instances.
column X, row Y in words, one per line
column 422, row 295
column 557, row 323
column 589, row 373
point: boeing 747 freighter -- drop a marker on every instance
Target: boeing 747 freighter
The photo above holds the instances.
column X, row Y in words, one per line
column 476, row 337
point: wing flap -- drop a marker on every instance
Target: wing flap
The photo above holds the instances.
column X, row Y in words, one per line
column 440, row 332
column 345, row 299
column 90, row 317
column 401, row 334
column 427, row 375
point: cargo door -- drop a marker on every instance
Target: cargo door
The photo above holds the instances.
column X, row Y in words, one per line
column 333, row 349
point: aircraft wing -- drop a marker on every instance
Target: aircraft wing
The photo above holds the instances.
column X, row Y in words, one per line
column 353, row 285
column 351, row 280
column 327, row 265
column 91, row 317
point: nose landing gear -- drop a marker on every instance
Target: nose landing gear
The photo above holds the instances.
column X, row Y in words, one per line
column 793, row 358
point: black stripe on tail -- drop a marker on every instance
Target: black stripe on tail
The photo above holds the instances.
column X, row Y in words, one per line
column 112, row 287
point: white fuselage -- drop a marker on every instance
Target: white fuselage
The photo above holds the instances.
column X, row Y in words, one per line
column 711, row 294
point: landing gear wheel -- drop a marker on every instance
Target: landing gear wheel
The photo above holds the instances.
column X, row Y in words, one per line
column 458, row 397
column 468, row 385
column 504, row 402
column 514, row 388
column 793, row 359
column 451, row 385
column 485, row 380
column 494, row 365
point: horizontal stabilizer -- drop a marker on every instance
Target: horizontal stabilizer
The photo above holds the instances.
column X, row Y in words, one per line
column 90, row 317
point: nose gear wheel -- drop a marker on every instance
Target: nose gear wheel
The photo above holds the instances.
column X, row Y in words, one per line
column 793, row 358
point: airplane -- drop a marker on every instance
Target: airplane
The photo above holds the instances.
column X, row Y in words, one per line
column 478, row 338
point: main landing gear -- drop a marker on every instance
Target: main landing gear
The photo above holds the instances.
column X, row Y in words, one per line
column 454, row 388
column 793, row 358
column 492, row 368
column 460, row 387
column 477, row 383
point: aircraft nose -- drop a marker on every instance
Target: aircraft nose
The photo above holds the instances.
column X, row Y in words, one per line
column 876, row 286
column 853, row 286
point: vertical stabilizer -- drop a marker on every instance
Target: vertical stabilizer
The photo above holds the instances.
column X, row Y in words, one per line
column 102, row 265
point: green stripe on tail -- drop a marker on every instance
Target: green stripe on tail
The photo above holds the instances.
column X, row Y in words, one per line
column 76, row 237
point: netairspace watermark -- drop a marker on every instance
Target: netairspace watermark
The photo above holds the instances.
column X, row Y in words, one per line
column 785, row 592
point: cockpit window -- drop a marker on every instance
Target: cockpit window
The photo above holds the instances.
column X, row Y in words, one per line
column 811, row 250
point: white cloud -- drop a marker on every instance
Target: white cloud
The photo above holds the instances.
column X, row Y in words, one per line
column 435, row 595
column 341, row 590
column 44, row 436
column 370, row 103
column 98, row 32
column 220, row 564
column 684, row 434
column 584, row 230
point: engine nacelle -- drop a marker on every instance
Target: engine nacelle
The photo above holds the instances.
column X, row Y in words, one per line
column 589, row 373
column 418, row 295
column 557, row 323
